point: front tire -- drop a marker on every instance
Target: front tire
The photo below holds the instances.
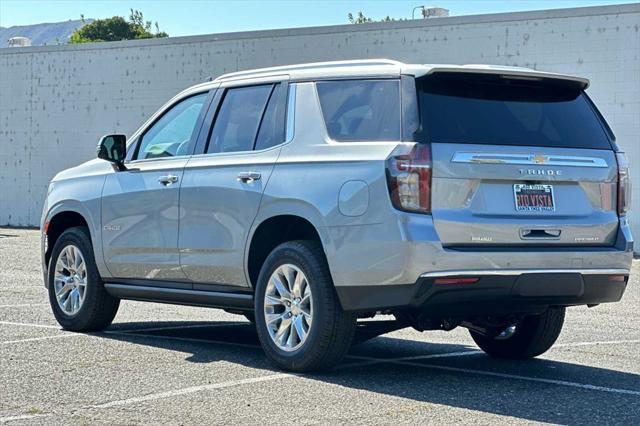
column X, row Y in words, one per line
column 76, row 291
column 300, row 323
column 533, row 336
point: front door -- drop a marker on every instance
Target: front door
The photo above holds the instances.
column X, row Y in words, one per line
column 140, row 205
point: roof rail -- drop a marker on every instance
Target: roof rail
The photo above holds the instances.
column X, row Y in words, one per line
column 331, row 64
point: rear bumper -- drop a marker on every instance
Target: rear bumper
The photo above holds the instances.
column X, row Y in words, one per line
column 495, row 292
column 393, row 265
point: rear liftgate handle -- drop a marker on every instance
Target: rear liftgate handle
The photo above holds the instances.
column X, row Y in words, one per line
column 540, row 234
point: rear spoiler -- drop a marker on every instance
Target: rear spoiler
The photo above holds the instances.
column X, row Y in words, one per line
column 509, row 72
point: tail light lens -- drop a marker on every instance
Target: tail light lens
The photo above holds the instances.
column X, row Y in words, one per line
column 409, row 178
column 624, row 184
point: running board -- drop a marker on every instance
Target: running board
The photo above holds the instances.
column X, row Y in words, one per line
column 211, row 299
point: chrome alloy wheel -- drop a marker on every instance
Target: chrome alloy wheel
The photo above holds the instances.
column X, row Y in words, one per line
column 288, row 307
column 70, row 280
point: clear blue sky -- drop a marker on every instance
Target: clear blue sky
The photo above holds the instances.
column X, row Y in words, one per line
column 189, row 17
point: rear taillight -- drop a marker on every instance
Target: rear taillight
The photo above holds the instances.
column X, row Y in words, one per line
column 624, row 184
column 409, row 178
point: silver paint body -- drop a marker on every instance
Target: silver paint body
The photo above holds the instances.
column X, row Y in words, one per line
column 198, row 230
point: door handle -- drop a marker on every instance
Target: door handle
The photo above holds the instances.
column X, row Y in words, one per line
column 248, row 177
column 168, row 179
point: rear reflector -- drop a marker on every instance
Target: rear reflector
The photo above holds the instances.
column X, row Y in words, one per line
column 446, row 281
column 617, row 278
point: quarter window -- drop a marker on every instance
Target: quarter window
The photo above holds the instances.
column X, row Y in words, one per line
column 361, row 110
column 173, row 134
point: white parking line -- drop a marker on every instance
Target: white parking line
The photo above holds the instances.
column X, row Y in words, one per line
column 23, row 417
column 35, row 339
column 27, row 324
column 518, row 377
column 24, row 305
column 193, row 389
column 603, row 342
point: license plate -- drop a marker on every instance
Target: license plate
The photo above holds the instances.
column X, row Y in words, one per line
column 533, row 198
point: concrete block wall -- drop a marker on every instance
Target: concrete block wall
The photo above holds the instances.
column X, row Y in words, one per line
column 56, row 101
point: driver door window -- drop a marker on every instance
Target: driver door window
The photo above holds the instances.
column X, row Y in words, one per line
column 172, row 135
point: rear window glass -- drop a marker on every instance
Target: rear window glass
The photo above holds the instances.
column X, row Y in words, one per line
column 361, row 110
column 502, row 111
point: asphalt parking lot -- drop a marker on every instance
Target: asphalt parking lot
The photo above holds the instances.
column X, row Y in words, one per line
column 182, row 365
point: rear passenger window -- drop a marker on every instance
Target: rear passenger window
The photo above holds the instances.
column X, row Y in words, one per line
column 238, row 119
column 361, row 110
column 272, row 128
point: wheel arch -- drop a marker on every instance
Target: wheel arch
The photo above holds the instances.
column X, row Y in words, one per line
column 57, row 223
column 272, row 231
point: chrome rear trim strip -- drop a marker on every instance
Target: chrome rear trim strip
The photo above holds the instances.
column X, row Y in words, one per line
column 503, row 272
column 531, row 160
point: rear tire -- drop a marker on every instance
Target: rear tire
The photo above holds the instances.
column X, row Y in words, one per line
column 327, row 330
column 90, row 308
column 533, row 336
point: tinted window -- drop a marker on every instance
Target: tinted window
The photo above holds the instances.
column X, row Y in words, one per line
column 238, row 119
column 272, row 128
column 171, row 135
column 361, row 110
column 496, row 110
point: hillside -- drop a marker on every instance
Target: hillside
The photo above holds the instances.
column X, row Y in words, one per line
column 41, row 34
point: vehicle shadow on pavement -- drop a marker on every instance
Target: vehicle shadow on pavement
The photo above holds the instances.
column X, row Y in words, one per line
column 521, row 389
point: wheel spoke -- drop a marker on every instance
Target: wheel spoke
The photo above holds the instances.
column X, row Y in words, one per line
column 291, row 340
column 67, row 300
column 271, row 318
column 281, row 335
column 306, row 300
column 61, row 278
column 272, row 301
column 71, row 257
column 300, row 331
column 297, row 284
column 64, row 290
column 77, row 262
column 280, row 287
column 289, row 277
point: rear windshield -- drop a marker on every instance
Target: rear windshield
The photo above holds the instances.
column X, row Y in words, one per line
column 490, row 109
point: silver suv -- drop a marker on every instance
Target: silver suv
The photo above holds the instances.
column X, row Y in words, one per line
column 306, row 197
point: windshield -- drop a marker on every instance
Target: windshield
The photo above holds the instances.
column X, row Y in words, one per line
column 492, row 109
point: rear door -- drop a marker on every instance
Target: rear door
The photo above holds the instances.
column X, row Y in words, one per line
column 518, row 162
column 222, row 187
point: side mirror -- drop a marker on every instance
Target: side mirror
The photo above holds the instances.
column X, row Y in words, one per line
column 113, row 148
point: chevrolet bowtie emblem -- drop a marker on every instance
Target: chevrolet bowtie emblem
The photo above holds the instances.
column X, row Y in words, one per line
column 539, row 159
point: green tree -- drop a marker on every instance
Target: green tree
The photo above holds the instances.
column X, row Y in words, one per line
column 360, row 18
column 116, row 28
